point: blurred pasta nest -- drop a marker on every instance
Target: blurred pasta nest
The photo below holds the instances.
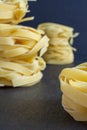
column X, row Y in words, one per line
column 60, row 50
column 73, row 82
column 13, row 11
column 21, row 47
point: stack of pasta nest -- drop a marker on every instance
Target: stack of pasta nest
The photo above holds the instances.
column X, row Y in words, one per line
column 60, row 50
column 21, row 47
column 73, row 83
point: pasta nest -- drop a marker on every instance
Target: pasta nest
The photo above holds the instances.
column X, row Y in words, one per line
column 13, row 11
column 73, row 82
column 21, row 50
column 60, row 43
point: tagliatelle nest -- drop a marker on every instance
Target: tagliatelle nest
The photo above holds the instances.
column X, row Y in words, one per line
column 21, row 49
column 60, row 50
column 13, row 11
column 73, row 82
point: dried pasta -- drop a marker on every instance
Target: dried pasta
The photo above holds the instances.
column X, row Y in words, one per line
column 21, row 50
column 73, row 82
column 60, row 44
column 13, row 11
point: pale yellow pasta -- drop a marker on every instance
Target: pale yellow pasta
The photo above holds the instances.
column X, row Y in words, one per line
column 56, row 30
column 13, row 11
column 19, row 32
column 57, row 54
column 19, row 74
column 21, row 50
column 61, row 38
column 73, row 82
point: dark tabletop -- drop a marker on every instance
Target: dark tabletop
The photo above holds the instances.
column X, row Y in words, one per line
column 39, row 107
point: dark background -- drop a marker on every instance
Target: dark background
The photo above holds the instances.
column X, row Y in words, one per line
column 68, row 12
column 39, row 107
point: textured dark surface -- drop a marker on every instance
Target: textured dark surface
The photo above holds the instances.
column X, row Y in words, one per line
column 38, row 107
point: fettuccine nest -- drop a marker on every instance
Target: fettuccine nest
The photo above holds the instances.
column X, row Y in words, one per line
column 13, row 11
column 21, row 49
column 60, row 50
column 73, row 82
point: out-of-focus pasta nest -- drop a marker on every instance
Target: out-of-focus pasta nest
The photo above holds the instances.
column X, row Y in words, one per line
column 21, row 49
column 60, row 50
column 73, row 82
column 13, row 11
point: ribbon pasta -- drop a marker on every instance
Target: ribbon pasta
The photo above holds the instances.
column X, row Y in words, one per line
column 60, row 44
column 21, row 49
column 73, row 82
column 13, row 11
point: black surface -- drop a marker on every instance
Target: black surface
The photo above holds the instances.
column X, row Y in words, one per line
column 38, row 107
